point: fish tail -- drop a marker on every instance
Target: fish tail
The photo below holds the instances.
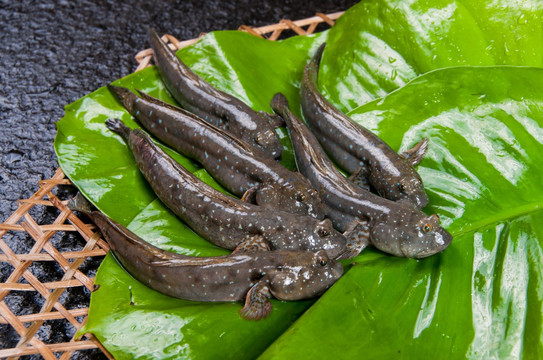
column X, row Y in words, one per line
column 311, row 71
column 318, row 55
column 79, row 203
column 118, row 127
column 125, row 96
column 279, row 105
column 152, row 34
column 158, row 45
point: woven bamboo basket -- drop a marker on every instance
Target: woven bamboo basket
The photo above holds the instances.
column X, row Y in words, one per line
column 22, row 278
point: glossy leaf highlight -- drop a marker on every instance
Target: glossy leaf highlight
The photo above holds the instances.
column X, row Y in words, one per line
column 380, row 45
column 482, row 297
column 131, row 320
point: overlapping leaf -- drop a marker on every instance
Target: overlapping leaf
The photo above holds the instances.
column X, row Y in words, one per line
column 480, row 298
column 131, row 320
column 379, row 45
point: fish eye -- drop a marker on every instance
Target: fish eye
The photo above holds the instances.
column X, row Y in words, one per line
column 300, row 196
column 401, row 187
column 259, row 138
column 322, row 261
column 323, row 232
column 427, row 228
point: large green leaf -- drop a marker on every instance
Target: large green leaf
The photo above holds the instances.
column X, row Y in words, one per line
column 379, row 45
column 227, row 59
column 131, row 320
column 482, row 297
column 481, row 172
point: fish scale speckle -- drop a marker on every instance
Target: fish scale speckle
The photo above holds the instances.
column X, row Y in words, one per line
column 357, row 149
column 231, row 162
column 394, row 227
column 278, row 229
column 213, row 105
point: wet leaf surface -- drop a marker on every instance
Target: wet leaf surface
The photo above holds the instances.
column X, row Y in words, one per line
column 482, row 297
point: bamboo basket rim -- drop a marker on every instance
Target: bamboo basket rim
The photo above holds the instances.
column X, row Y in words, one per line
column 66, row 221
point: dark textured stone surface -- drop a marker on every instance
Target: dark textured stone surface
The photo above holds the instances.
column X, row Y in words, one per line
column 54, row 52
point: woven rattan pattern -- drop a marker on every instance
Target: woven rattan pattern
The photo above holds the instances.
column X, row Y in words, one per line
column 270, row 32
column 22, row 278
column 43, row 250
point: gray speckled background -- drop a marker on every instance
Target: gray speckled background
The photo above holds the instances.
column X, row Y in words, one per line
column 54, row 52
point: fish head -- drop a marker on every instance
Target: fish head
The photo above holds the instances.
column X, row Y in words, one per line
column 410, row 233
column 304, row 275
column 432, row 238
column 295, row 197
column 315, row 234
column 267, row 141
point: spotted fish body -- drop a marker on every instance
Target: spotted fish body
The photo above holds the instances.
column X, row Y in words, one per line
column 221, row 219
column 236, row 166
column 252, row 276
column 215, row 106
column 358, row 150
column 397, row 228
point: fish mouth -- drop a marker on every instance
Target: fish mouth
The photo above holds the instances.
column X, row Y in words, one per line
column 442, row 241
column 271, row 146
column 420, row 200
column 446, row 238
column 337, row 270
column 273, row 153
column 318, row 214
column 276, row 152
column 334, row 249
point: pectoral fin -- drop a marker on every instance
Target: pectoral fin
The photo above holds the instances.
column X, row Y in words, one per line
column 358, row 238
column 252, row 243
column 257, row 306
column 250, row 195
column 360, row 178
column 416, row 153
column 274, row 119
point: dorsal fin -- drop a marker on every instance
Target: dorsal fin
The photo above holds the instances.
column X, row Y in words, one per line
column 416, row 153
